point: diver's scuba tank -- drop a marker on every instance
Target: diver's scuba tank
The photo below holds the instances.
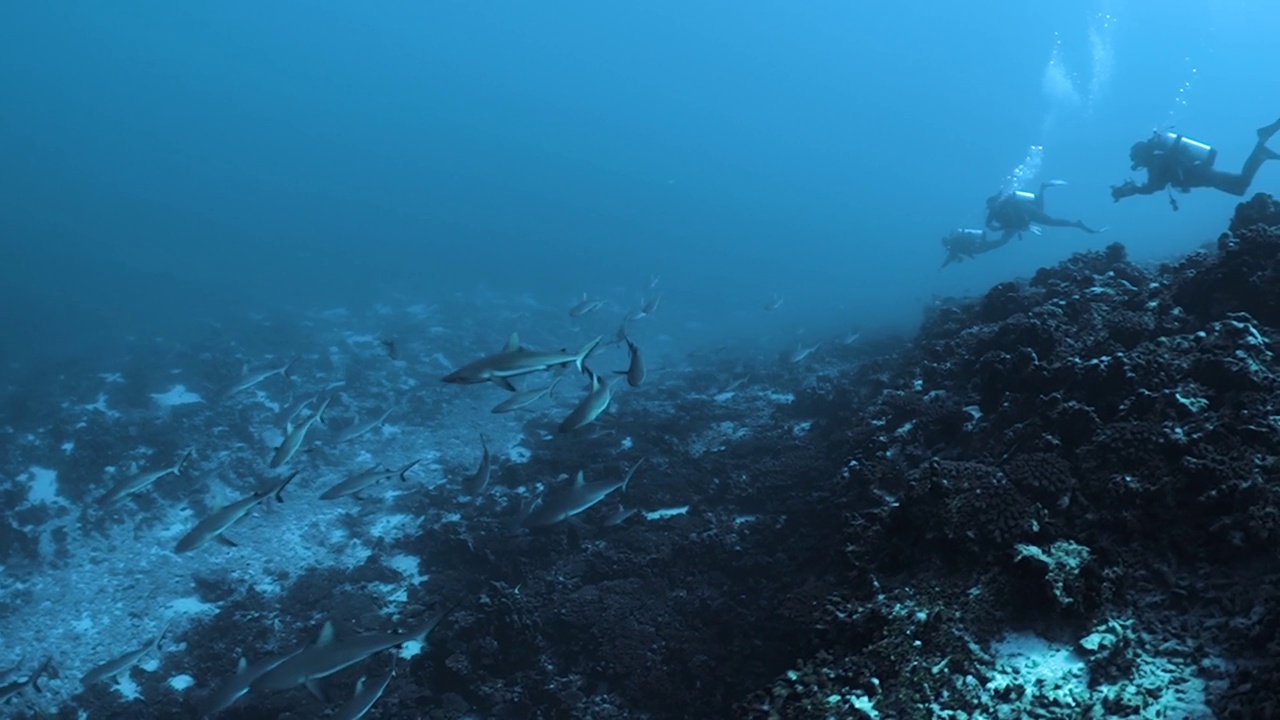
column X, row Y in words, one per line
column 1184, row 148
column 1024, row 196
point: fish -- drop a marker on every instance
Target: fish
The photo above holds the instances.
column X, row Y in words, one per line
column 562, row 503
column 237, row 686
column 734, row 385
column 647, row 307
column 327, row 656
column 476, row 483
column 363, row 698
column 524, row 398
column 358, row 482
column 592, row 405
column 212, row 527
column 585, row 306
column 774, row 304
column 802, row 352
column 296, row 407
column 852, row 337
column 295, row 434
column 619, row 516
column 389, row 344
column 13, row 688
column 134, row 483
column 357, row 428
column 249, row 379
column 514, row 361
column 653, row 281
column 635, row 372
column 114, row 667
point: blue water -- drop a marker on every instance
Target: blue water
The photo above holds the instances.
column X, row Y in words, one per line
column 171, row 163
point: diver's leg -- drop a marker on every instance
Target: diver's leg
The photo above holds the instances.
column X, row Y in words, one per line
column 1238, row 183
column 1261, row 153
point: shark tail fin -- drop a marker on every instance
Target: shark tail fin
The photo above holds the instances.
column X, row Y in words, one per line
column 579, row 360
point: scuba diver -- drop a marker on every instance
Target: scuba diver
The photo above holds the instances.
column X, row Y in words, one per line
column 964, row 243
column 1176, row 161
column 1015, row 212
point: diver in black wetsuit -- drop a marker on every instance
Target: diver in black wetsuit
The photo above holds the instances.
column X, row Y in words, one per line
column 1175, row 161
column 961, row 244
column 1015, row 212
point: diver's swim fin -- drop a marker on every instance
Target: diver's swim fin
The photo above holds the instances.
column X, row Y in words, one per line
column 1265, row 133
column 1055, row 183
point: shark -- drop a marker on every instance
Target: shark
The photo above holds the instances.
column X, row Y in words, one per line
column 560, row 504
column 328, row 655
column 592, row 405
column 524, row 398
column 295, row 434
column 585, row 306
column 357, row 428
column 140, row 481
column 212, row 527
column 237, row 686
column 249, row 379
column 13, row 688
column 635, row 371
column 363, row 698
column 361, row 481
column 514, row 361
column 476, row 483
column 121, row 664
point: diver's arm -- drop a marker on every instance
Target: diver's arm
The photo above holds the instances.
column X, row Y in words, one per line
column 1129, row 187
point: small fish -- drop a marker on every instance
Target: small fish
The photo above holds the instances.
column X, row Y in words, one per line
column 249, row 379
column 13, row 688
column 327, row 656
column 476, row 483
column 359, row 482
column 122, row 664
column 592, row 405
column 585, row 306
column 802, row 352
column 635, row 372
column 295, row 434
column 389, row 344
column 514, row 361
column 212, row 527
column 653, row 281
column 134, row 483
column 363, row 698
column 774, row 304
column 357, row 428
column 524, row 398
column 563, row 503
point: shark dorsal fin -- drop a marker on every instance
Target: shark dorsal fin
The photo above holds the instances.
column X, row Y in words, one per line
column 513, row 343
column 240, row 666
column 579, row 481
column 359, row 686
column 326, row 634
